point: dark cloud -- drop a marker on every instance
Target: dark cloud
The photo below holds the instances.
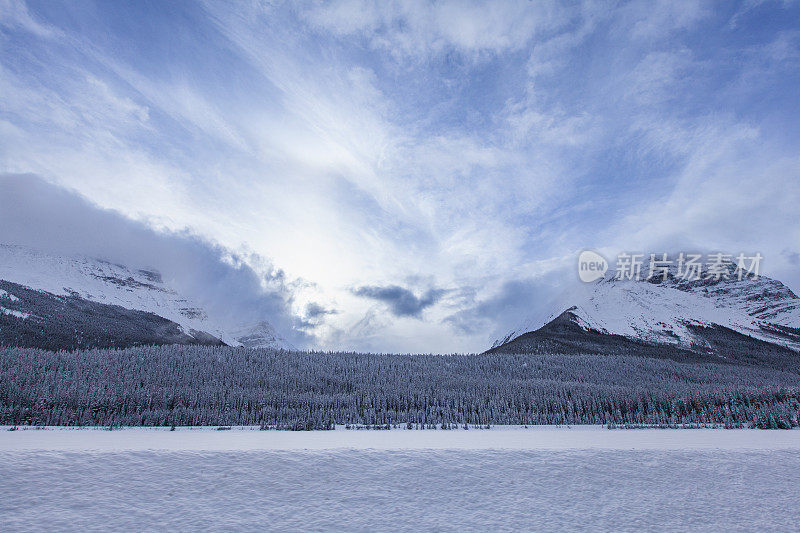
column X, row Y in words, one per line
column 792, row 257
column 315, row 310
column 401, row 301
column 513, row 298
column 515, row 302
column 41, row 215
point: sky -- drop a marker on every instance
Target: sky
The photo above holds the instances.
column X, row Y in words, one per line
column 404, row 175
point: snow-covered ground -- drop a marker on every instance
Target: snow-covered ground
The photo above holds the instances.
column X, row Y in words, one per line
column 498, row 437
column 510, row 479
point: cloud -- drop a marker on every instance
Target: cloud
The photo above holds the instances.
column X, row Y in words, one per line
column 747, row 6
column 315, row 310
column 14, row 13
column 468, row 145
column 401, row 301
column 643, row 19
column 792, row 257
column 423, row 29
column 524, row 303
column 653, row 80
column 40, row 215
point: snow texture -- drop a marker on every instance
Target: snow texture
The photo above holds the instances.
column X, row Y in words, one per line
column 12, row 312
column 248, row 438
column 719, row 480
column 8, row 296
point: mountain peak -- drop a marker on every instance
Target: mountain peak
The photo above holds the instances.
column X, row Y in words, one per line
column 669, row 310
column 106, row 283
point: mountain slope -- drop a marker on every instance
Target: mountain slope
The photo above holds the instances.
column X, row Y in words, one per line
column 70, row 322
column 65, row 292
column 752, row 315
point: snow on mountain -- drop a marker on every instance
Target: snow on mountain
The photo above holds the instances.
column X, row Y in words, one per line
column 665, row 311
column 259, row 335
column 104, row 282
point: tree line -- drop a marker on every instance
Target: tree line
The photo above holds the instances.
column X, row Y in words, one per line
column 223, row 386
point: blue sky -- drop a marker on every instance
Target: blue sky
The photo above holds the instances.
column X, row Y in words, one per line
column 423, row 174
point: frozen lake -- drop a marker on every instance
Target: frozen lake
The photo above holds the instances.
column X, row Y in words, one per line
column 541, row 479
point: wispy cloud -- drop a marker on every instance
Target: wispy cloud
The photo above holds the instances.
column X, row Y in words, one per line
column 398, row 146
column 426, row 29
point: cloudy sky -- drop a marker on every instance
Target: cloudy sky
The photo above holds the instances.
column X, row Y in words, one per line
column 418, row 176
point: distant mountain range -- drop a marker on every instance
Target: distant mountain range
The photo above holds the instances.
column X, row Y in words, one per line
column 61, row 302
column 66, row 302
column 671, row 317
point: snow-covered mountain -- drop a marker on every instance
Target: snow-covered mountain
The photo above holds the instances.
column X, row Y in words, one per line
column 676, row 311
column 258, row 335
column 107, row 283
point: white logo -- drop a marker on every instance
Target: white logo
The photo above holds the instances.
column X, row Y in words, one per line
column 591, row 266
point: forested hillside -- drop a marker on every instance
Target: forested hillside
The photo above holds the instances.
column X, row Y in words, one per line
column 195, row 385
